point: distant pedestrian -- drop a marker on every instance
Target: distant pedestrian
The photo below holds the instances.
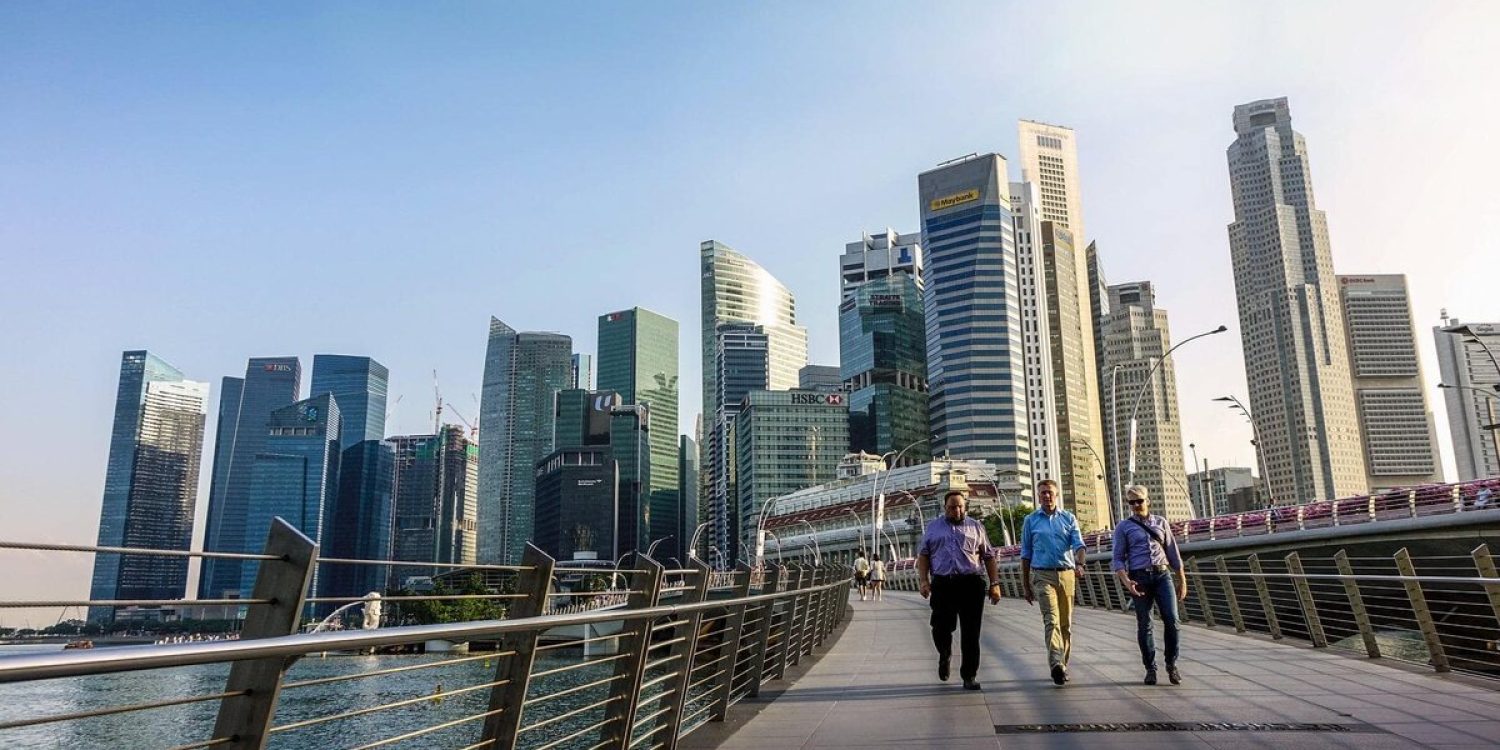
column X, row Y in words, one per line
column 877, row 577
column 1147, row 561
column 953, row 561
column 861, row 574
column 1484, row 497
column 1052, row 554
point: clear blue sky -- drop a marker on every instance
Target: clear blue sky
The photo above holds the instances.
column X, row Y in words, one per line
column 225, row 180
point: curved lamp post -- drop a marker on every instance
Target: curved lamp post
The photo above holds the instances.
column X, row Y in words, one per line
column 1466, row 330
column 1494, row 426
column 692, row 551
column 1103, row 474
column 874, row 515
column 813, row 534
column 1141, row 395
column 1235, row 403
column 859, row 525
column 652, row 547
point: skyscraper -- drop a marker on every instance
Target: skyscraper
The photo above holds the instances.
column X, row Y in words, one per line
column 1099, row 301
column 742, row 365
column 437, row 478
column 878, row 256
column 687, row 488
column 1136, row 339
column 583, row 372
column 1036, row 327
column 1389, row 390
column 295, row 476
column 522, row 374
column 1290, row 327
column 883, row 360
column 785, row 441
column 975, row 350
column 150, row 482
column 1467, row 363
column 269, row 384
column 638, row 360
column 737, row 290
column 820, row 378
column 359, row 384
column 577, row 503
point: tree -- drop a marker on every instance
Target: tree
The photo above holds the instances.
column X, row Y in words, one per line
column 1014, row 515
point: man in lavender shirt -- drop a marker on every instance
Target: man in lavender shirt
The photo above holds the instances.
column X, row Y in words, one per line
column 951, row 576
column 1146, row 560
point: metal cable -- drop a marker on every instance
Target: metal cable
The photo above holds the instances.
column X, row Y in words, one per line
column 382, row 707
column 575, row 689
column 428, row 730
column 18, row 723
column 135, row 603
column 394, row 670
column 570, row 714
column 415, row 564
column 48, row 547
column 579, row 733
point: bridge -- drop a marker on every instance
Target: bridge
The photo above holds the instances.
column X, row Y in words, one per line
column 1279, row 651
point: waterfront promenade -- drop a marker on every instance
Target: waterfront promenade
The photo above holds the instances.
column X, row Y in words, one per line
column 877, row 687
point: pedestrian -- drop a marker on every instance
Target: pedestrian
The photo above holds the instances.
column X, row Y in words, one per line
column 877, row 577
column 1147, row 561
column 952, row 563
column 1052, row 555
column 861, row 573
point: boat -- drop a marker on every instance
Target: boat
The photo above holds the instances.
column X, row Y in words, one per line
column 79, row 644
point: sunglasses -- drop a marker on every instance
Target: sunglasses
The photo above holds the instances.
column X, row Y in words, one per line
column 1137, row 501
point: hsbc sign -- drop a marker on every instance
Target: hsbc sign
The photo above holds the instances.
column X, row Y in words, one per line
column 818, row 399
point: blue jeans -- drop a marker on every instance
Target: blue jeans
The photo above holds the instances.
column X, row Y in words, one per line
column 1159, row 589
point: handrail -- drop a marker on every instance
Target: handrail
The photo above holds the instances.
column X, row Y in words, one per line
column 129, row 658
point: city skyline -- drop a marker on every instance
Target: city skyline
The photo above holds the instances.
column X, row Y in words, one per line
column 1176, row 239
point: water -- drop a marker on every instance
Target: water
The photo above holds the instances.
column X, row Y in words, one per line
column 167, row 727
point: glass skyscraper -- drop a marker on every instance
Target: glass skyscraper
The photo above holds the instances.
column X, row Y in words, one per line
column 437, row 479
column 150, row 482
column 358, row 523
column 638, row 360
column 523, row 373
column 269, row 384
column 295, row 476
column 360, row 385
column 785, row 441
column 883, row 363
column 975, row 359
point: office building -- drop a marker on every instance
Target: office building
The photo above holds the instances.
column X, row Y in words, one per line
column 270, row 383
column 820, row 378
column 1209, row 490
column 784, row 441
column 359, row 385
column 687, row 491
column 577, row 505
column 630, row 443
column 523, row 371
column 878, row 256
column 638, row 360
column 150, row 482
column 1036, row 328
column 975, row 349
column 437, row 480
column 742, row 365
column 1290, row 326
column 883, row 361
column 735, row 289
column 1136, row 340
column 1466, row 362
column 295, row 476
column 583, row 372
column 360, row 523
column 1390, row 393
column 1103, row 369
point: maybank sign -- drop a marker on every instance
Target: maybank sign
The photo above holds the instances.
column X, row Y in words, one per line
column 949, row 201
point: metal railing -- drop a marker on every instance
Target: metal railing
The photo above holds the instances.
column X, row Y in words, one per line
column 1438, row 611
column 668, row 669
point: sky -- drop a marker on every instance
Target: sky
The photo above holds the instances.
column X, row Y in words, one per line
column 219, row 181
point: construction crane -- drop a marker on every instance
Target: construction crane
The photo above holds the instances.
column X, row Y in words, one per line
column 473, row 429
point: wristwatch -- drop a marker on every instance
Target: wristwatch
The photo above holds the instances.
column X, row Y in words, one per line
column 994, row 584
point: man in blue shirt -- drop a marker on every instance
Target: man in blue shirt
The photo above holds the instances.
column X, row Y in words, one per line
column 1051, row 560
column 1146, row 560
column 952, row 563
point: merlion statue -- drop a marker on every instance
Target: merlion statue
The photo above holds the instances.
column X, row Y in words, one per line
column 372, row 611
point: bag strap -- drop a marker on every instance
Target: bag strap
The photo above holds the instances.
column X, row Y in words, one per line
column 1155, row 535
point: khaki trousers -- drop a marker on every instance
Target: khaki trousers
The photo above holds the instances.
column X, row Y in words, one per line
column 1054, row 596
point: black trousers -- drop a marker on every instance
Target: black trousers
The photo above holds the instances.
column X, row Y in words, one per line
column 958, row 601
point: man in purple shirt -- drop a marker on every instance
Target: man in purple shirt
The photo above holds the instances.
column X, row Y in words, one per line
column 1146, row 560
column 952, row 577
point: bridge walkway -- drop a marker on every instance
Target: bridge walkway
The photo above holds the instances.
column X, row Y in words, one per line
column 877, row 688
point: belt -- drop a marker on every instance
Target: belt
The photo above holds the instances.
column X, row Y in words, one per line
column 1065, row 567
column 957, row 575
column 1152, row 569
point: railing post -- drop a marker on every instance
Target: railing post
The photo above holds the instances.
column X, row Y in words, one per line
column 734, row 628
column 1264, row 592
column 682, row 652
column 763, row 632
column 1458, row 500
column 1309, row 607
column 783, row 656
column 625, row 691
column 1486, row 567
column 1106, row 583
column 1419, row 608
column 1357, row 604
column 1301, row 517
column 1234, row 601
column 1411, row 502
column 806, row 578
column 1335, row 511
column 1372, row 507
column 534, row 580
column 246, row 719
column 1208, row 613
column 819, row 622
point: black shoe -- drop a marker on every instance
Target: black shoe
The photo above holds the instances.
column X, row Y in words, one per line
column 1174, row 675
column 1059, row 674
column 971, row 684
column 943, row 668
column 1150, row 677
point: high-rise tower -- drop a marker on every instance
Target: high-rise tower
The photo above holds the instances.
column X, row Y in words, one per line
column 1467, row 364
column 150, row 482
column 1290, row 326
column 1036, row 328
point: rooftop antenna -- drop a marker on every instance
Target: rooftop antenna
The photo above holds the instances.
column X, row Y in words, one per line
column 437, row 406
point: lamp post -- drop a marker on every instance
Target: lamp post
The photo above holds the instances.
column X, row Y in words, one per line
column 1103, row 474
column 693, row 545
column 1141, row 394
column 1205, row 483
column 652, row 547
column 813, row 534
column 1466, row 330
column 1260, row 459
column 874, row 510
column 1494, row 425
column 859, row 526
column 921, row 517
column 776, row 539
column 1116, row 508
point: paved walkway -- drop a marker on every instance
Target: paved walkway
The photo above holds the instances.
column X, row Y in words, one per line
column 878, row 687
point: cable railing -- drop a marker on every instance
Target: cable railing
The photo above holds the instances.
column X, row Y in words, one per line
column 661, row 655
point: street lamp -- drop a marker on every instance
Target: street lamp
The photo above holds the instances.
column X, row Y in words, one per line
column 813, row 533
column 1141, row 394
column 652, row 547
column 1103, row 474
column 1260, row 459
column 874, row 513
column 1205, row 483
column 921, row 517
column 1466, row 330
column 859, row 526
column 776, row 539
column 1114, row 445
column 1494, row 426
column 693, row 545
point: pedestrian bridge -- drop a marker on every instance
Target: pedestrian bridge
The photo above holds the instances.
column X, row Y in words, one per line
column 1279, row 652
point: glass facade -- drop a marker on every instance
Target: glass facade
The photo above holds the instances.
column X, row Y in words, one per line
column 784, row 441
column 295, row 476
column 151, row 482
column 360, row 385
column 269, row 384
column 437, row 480
column 638, row 360
column 359, row 524
column 687, row 489
column 577, row 508
column 883, row 359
